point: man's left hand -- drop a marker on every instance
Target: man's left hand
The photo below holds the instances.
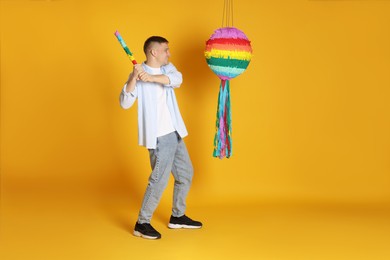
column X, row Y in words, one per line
column 144, row 76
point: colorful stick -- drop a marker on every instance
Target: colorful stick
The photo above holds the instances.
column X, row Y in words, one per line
column 128, row 52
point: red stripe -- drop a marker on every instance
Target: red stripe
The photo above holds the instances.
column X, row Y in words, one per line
column 229, row 41
column 229, row 47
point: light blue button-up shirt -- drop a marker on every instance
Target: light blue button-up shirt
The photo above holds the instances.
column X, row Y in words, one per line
column 147, row 105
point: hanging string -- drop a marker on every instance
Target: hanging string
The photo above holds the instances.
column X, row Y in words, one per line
column 223, row 13
column 231, row 13
column 227, row 14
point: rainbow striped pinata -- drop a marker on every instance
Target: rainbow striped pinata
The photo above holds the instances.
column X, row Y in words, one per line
column 228, row 53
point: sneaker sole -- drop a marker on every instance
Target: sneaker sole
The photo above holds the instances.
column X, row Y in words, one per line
column 177, row 226
column 139, row 234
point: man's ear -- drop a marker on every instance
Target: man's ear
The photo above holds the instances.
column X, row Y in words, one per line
column 153, row 52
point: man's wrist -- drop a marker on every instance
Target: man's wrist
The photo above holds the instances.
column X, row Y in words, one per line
column 152, row 78
column 162, row 79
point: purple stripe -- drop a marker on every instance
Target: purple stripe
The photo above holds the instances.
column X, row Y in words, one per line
column 228, row 32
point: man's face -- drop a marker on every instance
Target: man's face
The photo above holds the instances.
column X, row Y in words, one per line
column 162, row 53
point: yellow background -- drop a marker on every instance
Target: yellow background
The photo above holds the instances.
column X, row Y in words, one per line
column 310, row 118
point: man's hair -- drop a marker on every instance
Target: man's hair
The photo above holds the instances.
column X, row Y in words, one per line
column 152, row 39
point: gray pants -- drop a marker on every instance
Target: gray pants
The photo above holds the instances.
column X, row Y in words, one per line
column 170, row 155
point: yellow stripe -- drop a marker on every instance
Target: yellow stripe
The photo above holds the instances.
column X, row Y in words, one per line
column 131, row 57
column 239, row 55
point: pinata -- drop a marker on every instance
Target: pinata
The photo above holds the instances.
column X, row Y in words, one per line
column 228, row 53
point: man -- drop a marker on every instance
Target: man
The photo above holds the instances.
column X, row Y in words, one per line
column 160, row 130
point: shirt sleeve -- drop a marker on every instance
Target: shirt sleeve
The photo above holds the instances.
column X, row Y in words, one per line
column 127, row 99
column 175, row 77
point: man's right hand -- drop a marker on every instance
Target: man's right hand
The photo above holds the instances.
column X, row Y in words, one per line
column 137, row 69
column 134, row 76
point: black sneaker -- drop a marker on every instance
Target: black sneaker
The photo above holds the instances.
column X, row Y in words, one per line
column 146, row 230
column 183, row 222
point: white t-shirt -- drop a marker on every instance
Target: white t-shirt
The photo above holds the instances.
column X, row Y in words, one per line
column 164, row 120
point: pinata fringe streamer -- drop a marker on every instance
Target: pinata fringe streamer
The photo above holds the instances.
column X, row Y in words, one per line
column 223, row 136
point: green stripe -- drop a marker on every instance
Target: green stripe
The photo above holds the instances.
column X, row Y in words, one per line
column 242, row 64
